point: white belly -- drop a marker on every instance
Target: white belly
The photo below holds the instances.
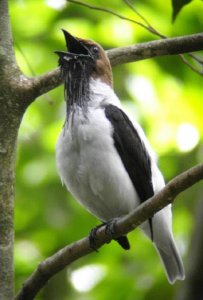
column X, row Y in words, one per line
column 91, row 168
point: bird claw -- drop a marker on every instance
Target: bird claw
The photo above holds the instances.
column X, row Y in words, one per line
column 109, row 230
column 93, row 238
column 110, row 227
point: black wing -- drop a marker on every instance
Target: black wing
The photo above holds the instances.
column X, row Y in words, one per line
column 132, row 152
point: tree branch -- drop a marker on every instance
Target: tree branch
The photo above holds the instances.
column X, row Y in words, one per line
column 9, row 123
column 42, row 84
column 148, row 26
column 68, row 254
column 157, row 33
column 130, row 5
column 109, row 11
column 171, row 46
column 194, row 69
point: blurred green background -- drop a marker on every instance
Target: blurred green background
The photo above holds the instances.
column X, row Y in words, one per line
column 163, row 94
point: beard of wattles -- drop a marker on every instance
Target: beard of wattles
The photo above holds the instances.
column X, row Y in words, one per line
column 76, row 74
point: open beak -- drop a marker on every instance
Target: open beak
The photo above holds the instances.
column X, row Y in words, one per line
column 76, row 48
column 74, row 45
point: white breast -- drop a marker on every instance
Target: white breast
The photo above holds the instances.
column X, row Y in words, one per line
column 90, row 166
column 88, row 162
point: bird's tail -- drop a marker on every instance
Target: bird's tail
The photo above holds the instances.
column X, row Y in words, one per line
column 171, row 261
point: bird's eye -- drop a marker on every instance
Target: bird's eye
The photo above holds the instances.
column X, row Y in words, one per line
column 95, row 49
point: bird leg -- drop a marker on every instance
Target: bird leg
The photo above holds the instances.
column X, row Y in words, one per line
column 110, row 230
column 110, row 227
column 93, row 238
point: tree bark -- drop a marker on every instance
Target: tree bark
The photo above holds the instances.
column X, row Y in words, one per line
column 10, row 117
column 8, row 133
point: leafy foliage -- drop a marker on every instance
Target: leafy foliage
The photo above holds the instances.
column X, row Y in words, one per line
column 177, row 6
column 163, row 94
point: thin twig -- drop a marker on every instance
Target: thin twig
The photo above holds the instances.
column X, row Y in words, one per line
column 46, row 96
column 136, row 12
column 148, row 27
column 184, row 60
column 182, row 57
column 25, row 59
column 199, row 60
column 109, row 11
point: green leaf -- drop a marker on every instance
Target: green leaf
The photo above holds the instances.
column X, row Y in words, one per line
column 177, row 6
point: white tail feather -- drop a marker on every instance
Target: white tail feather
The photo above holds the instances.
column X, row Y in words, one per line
column 172, row 262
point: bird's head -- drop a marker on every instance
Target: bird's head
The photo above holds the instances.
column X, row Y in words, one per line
column 84, row 58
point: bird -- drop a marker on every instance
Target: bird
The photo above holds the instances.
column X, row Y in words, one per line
column 102, row 154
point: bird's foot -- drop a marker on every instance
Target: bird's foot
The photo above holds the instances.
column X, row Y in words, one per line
column 93, row 238
column 111, row 231
column 110, row 227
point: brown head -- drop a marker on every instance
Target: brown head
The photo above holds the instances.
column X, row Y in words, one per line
column 103, row 69
column 90, row 53
column 84, row 60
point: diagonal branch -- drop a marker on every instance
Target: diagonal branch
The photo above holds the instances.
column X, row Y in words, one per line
column 42, row 84
column 171, row 46
column 194, row 69
column 130, row 5
column 68, row 254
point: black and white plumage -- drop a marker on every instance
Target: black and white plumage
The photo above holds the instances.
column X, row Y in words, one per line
column 103, row 157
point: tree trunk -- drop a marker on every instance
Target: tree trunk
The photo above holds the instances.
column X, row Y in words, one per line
column 8, row 134
column 10, row 116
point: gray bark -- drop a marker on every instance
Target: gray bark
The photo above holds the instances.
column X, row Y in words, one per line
column 13, row 92
column 9, row 124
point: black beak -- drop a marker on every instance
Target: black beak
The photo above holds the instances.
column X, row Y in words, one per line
column 76, row 48
column 74, row 45
column 65, row 57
